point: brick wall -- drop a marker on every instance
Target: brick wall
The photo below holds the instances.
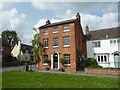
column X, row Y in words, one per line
column 102, row 71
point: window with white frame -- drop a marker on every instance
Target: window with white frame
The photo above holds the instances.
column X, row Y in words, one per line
column 45, row 43
column 55, row 42
column 114, row 42
column 66, row 41
column 45, row 31
column 102, row 58
column 55, row 30
column 67, row 59
column 45, row 57
column 66, row 28
column 96, row 44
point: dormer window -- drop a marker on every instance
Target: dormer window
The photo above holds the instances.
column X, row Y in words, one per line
column 45, row 31
column 66, row 28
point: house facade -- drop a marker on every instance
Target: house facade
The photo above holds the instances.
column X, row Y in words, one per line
column 62, row 40
column 104, row 46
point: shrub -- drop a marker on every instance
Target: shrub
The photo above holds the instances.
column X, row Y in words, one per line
column 90, row 61
column 46, row 60
column 62, row 60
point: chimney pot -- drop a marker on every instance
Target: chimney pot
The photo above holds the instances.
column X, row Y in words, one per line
column 87, row 29
column 47, row 22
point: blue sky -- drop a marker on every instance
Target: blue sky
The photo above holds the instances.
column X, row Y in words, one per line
column 23, row 16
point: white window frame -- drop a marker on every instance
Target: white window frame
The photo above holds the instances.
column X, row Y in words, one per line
column 47, row 43
column 69, row 64
column 45, row 64
column 64, row 41
column 66, row 30
column 55, row 42
column 44, row 32
column 96, row 44
column 55, row 29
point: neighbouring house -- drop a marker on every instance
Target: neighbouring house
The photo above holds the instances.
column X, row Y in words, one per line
column 22, row 52
column 5, row 51
column 63, row 39
column 104, row 46
column 11, row 55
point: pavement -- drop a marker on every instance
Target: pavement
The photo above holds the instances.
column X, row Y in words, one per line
column 3, row 69
column 80, row 73
column 56, row 71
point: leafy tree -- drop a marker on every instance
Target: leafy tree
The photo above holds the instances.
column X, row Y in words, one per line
column 11, row 36
column 37, row 48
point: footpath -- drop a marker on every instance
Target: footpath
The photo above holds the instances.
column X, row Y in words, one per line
column 79, row 73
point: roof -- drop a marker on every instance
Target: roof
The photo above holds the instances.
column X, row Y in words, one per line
column 57, row 23
column 104, row 33
column 25, row 47
column 4, row 42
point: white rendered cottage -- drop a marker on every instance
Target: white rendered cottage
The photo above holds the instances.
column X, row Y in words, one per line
column 104, row 46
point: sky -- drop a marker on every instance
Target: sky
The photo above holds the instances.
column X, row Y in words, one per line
column 23, row 16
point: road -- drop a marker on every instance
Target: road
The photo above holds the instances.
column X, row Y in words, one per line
column 15, row 68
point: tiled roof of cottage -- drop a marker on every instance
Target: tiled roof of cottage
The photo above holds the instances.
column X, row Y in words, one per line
column 57, row 23
column 104, row 33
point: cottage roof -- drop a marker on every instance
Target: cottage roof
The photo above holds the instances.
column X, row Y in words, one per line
column 104, row 33
column 57, row 23
column 25, row 47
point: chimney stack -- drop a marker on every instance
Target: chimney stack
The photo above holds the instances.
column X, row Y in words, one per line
column 78, row 16
column 47, row 22
column 87, row 29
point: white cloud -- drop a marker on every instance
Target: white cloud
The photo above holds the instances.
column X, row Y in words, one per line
column 13, row 20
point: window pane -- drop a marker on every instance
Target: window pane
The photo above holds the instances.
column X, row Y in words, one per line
column 67, row 58
column 45, row 31
column 66, row 28
column 55, row 41
column 105, row 58
column 101, row 58
column 44, row 57
column 66, row 40
column 98, row 58
column 45, row 42
column 55, row 29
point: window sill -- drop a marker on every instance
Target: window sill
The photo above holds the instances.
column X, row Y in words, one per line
column 66, row 46
column 66, row 31
column 45, row 64
column 55, row 46
column 55, row 32
column 67, row 65
column 46, row 34
column 46, row 47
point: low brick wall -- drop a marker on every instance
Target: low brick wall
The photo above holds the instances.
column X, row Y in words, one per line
column 102, row 71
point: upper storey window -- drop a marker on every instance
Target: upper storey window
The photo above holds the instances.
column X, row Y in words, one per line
column 114, row 42
column 96, row 44
column 45, row 31
column 66, row 28
column 55, row 30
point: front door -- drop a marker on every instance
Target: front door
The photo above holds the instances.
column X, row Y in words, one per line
column 55, row 60
column 117, row 60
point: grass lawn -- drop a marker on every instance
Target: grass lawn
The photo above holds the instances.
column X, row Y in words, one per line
column 21, row 79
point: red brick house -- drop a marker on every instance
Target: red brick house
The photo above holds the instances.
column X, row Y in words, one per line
column 63, row 39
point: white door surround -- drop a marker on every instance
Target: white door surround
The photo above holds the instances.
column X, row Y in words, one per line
column 52, row 61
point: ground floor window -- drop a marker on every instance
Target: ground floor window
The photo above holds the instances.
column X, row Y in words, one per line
column 67, row 58
column 45, row 57
column 102, row 58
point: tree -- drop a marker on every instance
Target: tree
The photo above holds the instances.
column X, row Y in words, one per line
column 37, row 48
column 11, row 36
